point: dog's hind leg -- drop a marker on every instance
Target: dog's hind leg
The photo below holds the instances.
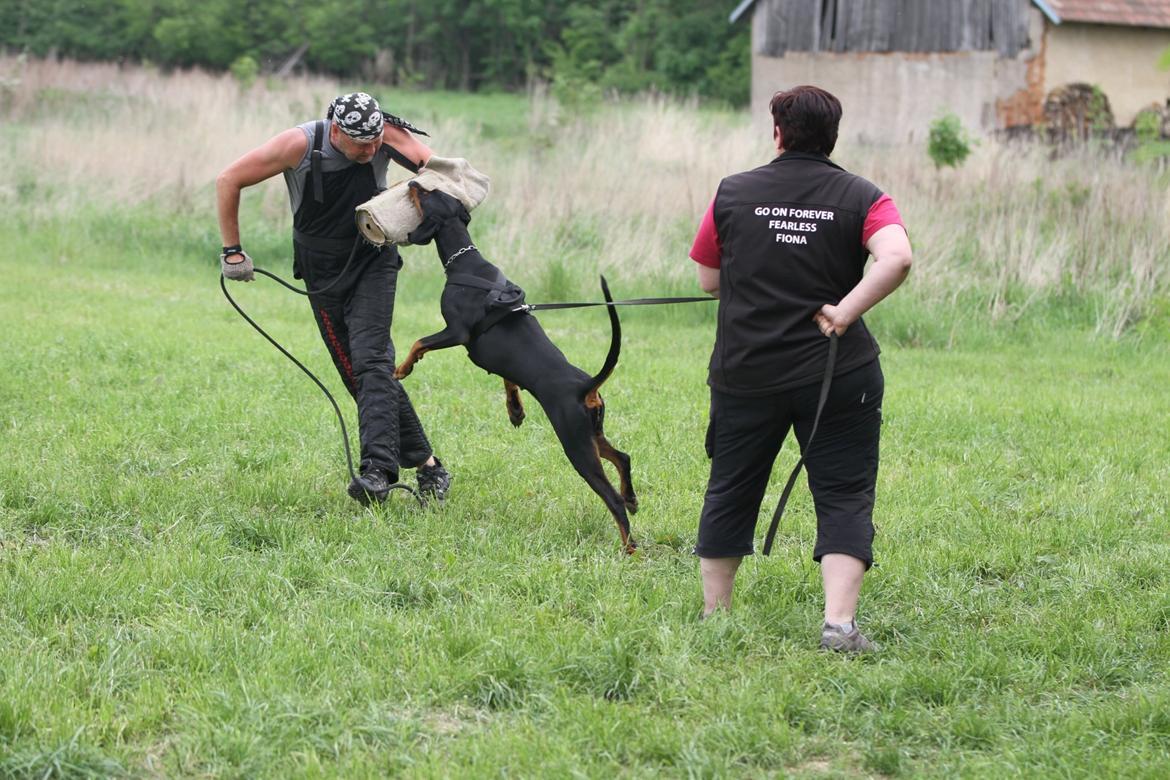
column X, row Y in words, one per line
column 514, row 403
column 584, row 457
column 621, row 462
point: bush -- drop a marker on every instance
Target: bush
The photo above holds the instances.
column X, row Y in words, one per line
column 245, row 70
column 1147, row 128
column 949, row 143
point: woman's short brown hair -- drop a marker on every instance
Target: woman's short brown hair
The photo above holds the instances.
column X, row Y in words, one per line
column 808, row 118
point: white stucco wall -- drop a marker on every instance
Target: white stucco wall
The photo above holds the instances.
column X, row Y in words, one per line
column 1123, row 61
column 893, row 98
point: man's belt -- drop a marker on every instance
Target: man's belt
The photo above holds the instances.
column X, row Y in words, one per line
column 331, row 246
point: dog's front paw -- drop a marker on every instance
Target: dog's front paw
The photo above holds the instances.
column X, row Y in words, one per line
column 402, row 371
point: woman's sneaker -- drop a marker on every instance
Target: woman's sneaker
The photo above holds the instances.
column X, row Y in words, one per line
column 433, row 482
column 845, row 639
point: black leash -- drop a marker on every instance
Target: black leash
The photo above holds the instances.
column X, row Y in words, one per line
column 302, row 367
column 630, row 302
column 826, row 383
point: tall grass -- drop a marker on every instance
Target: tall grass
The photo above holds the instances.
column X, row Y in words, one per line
column 616, row 188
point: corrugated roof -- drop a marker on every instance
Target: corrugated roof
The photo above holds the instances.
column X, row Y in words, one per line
column 1130, row 13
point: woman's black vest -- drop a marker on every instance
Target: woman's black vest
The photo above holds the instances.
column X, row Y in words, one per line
column 791, row 241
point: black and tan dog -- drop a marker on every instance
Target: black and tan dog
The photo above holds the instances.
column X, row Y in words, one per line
column 483, row 313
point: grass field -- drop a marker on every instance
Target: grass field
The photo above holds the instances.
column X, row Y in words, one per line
column 185, row 589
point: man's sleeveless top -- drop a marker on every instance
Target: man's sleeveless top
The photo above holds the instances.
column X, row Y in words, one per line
column 345, row 186
column 791, row 241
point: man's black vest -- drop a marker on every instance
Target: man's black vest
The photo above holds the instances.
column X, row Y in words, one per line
column 325, row 225
column 791, row 241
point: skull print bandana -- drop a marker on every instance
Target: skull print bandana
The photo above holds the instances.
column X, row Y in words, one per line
column 358, row 115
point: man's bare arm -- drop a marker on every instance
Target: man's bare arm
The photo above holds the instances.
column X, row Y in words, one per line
column 406, row 144
column 265, row 161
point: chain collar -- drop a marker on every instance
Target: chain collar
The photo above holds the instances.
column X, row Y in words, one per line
column 467, row 248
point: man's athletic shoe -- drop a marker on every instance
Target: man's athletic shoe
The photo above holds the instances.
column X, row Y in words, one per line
column 433, row 482
column 839, row 640
column 373, row 484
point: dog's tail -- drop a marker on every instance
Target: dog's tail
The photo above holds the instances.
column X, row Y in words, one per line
column 615, row 347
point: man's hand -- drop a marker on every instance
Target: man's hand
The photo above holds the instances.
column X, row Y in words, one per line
column 832, row 318
column 237, row 267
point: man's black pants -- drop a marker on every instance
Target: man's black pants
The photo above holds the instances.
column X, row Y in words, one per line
column 744, row 436
column 354, row 316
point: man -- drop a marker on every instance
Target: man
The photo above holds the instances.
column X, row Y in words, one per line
column 331, row 167
column 783, row 247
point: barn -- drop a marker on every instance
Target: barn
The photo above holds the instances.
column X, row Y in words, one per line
column 899, row 64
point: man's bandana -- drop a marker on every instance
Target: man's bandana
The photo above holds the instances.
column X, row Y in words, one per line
column 358, row 115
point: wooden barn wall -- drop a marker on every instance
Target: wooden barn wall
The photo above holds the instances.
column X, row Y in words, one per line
column 892, row 25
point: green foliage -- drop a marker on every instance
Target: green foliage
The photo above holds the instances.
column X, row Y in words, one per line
column 245, row 70
column 1152, row 147
column 949, row 144
column 1152, row 151
column 683, row 48
column 1147, row 125
column 677, row 46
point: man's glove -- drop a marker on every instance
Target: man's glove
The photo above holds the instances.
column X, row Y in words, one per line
column 240, row 270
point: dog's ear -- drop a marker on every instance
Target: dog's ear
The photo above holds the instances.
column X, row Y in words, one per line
column 436, row 207
column 446, row 206
column 426, row 229
column 413, row 194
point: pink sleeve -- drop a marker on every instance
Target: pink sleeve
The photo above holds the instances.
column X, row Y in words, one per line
column 882, row 213
column 707, row 250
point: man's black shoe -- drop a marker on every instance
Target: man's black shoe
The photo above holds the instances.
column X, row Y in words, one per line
column 373, row 484
column 433, row 482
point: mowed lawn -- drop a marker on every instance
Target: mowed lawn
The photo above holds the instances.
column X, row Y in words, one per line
column 186, row 590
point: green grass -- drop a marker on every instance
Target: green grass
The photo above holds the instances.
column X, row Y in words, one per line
column 185, row 589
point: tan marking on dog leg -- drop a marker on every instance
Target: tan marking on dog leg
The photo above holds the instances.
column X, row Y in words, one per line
column 628, row 543
column 607, row 451
column 416, row 353
column 513, row 403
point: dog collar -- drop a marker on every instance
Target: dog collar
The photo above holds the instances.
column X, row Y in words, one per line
column 467, row 248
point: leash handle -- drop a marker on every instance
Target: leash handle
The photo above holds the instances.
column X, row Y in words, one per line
column 826, row 383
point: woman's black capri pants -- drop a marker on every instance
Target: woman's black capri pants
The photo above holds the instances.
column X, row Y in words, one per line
column 744, row 437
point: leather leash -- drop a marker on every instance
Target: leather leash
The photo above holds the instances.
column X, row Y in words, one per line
column 302, row 367
column 631, row 302
column 826, row 383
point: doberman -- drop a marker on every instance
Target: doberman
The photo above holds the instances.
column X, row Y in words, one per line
column 483, row 312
